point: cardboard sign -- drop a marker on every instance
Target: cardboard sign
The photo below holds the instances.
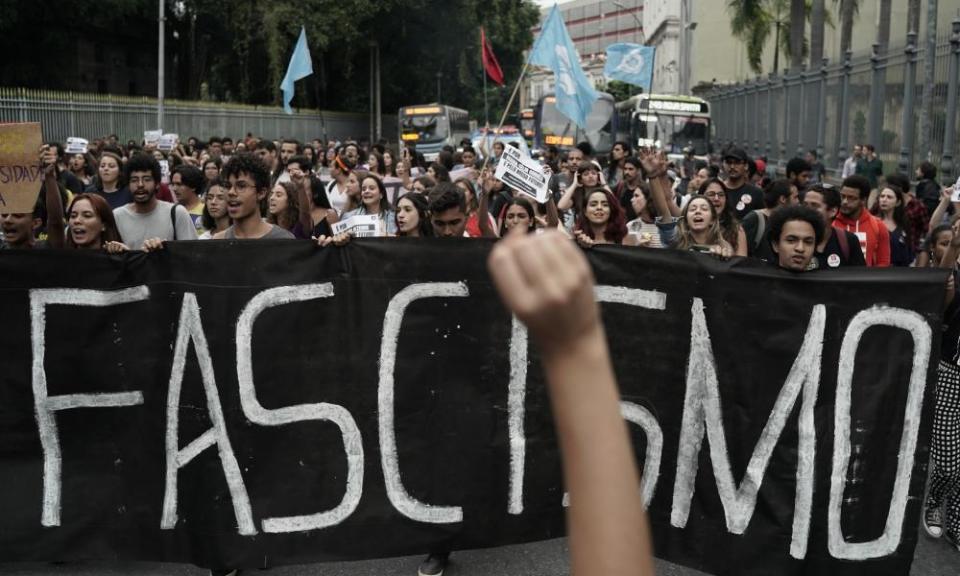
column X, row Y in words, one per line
column 20, row 174
column 522, row 173
column 359, row 226
column 152, row 136
column 168, row 142
column 955, row 195
column 77, row 145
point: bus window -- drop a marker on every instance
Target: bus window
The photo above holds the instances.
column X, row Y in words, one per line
column 424, row 128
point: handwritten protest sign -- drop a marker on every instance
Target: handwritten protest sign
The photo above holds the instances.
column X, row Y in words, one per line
column 522, row 173
column 20, row 175
column 365, row 226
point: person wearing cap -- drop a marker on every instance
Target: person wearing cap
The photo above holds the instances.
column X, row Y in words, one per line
column 741, row 194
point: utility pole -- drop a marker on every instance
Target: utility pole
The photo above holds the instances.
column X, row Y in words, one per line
column 161, row 64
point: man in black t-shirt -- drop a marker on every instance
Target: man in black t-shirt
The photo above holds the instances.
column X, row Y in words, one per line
column 795, row 232
column 741, row 195
column 838, row 247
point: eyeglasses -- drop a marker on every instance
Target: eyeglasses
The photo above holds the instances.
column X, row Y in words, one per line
column 141, row 180
column 240, row 186
column 713, row 195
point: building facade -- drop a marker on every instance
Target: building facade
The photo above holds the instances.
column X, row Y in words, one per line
column 593, row 25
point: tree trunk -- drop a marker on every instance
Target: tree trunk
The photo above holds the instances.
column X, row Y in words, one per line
column 848, row 9
column 924, row 146
column 883, row 29
column 913, row 16
column 798, row 21
column 817, row 16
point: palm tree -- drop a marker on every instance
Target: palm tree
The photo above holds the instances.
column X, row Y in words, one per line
column 798, row 19
column 817, row 18
column 849, row 9
column 753, row 21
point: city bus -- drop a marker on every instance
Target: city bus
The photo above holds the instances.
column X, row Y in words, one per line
column 527, row 125
column 433, row 126
column 552, row 128
column 668, row 123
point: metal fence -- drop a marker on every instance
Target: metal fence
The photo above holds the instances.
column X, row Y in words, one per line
column 869, row 99
column 65, row 114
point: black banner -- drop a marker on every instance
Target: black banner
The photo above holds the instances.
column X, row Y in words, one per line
column 235, row 404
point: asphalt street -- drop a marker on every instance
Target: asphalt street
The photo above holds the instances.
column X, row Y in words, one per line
column 933, row 558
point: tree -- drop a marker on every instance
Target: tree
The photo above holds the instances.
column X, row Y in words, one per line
column 817, row 19
column 754, row 21
column 849, row 9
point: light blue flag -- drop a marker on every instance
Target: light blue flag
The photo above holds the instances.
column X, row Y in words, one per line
column 630, row 63
column 553, row 49
column 300, row 66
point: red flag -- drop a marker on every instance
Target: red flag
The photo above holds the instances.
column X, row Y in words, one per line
column 490, row 63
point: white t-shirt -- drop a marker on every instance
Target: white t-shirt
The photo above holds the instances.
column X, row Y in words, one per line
column 337, row 197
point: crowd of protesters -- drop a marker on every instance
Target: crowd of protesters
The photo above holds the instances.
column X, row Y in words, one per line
column 135, row 197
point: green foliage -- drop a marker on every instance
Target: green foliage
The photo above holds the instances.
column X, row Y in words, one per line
column 238, row 50
column 621, row 90
column 754, row 21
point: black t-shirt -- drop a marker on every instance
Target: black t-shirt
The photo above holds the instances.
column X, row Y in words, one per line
column 833, row 255
column 745, row 199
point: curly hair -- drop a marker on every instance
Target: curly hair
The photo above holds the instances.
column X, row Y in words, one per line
column 250, row 164
column 616, row 227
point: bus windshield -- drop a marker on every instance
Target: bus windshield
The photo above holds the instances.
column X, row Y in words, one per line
column 558, row 130
column 424, row 128
column 673, row 133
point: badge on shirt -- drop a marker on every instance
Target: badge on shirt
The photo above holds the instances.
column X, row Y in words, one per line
column 833, row 260
column 745, row 199
column 740, row 206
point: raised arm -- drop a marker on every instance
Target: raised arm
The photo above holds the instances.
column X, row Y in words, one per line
column 487, row 183
column 655, row 165
column 305, row 203
column 52, row 198
column 566, row 201
column 941, row 210
column 546, row 282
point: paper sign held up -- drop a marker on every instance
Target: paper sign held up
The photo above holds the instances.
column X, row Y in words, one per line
column 20, row 175
column 523, row 173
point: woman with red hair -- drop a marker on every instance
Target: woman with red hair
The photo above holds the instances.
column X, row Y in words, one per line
column 601, row 221
column 90, row 225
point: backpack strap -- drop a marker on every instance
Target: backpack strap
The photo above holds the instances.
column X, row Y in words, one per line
column 761, row 227
column 844, row 243
column 173, row 220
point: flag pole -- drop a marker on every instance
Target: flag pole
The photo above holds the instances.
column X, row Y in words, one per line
column 506, row 110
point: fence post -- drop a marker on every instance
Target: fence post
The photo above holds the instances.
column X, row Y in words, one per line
column 950, row 130
column 771, row 116
column 876, row 98
column 909, row 85
column 844, row 109
column 801, row 113
column 786, row 122
column 822, row 110
column 756, row 115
